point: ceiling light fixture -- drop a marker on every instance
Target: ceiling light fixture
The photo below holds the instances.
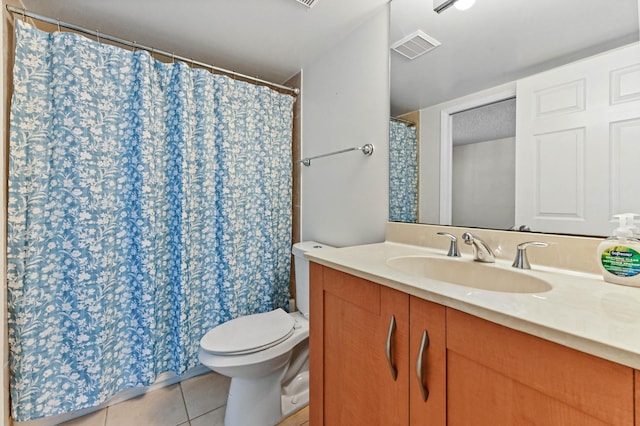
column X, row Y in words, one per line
column 463, row 4
column 440, row 6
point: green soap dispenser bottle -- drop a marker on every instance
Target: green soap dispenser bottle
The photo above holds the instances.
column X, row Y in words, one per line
column 619, row 255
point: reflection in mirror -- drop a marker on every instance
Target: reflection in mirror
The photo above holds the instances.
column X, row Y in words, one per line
column 403, row 171
column 483, row 166
column 486, row 54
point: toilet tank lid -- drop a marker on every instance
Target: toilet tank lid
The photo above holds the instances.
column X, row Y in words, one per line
column 299, row 249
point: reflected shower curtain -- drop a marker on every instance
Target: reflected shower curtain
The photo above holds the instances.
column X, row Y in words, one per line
column 403, row 173
column 148, row 203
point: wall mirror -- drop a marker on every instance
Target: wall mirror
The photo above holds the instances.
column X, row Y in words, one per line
column 452, row 62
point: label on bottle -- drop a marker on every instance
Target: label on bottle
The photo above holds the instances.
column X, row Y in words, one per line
column 621, row 261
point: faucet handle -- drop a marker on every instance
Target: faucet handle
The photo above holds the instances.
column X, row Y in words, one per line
column 521, row 261
column 453, row 247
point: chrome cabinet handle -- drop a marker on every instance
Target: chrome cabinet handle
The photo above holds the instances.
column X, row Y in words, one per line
column 423, row 345
column 389, row 347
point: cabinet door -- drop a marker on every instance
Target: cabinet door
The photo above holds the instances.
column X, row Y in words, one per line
column 428, row 369
column 637, row 397
column 499, row 376
column 351, row 378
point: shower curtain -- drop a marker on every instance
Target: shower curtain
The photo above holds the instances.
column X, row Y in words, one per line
column 403, row 173
column 148, row 203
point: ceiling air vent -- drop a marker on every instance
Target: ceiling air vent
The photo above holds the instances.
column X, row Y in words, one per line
column 308, row 3
column 415, row 44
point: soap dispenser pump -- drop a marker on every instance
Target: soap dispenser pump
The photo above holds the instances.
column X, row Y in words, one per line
column 619, row 255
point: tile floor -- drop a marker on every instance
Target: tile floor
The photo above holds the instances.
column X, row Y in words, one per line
column 198, row 401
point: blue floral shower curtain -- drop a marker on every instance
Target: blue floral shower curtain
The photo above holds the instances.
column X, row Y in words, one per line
column 148, row 203
column 403, row 173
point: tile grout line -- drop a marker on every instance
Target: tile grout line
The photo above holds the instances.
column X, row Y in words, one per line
column 184, row 402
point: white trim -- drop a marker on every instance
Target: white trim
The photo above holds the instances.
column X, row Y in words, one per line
column 446, row 154
column 446, row 143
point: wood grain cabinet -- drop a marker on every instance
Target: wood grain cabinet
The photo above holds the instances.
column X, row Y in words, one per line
column 372, row 363
column 499, row 376
column 381, row 357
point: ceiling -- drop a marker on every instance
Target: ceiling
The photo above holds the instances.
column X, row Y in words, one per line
column 269, row 39
column 498, row 41
column 494, row 42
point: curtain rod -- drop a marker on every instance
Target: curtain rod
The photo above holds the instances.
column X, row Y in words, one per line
column 402, row 120
column 25, row 13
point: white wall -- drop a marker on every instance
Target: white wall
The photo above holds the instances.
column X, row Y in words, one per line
column 345, row 103
column 484, row 181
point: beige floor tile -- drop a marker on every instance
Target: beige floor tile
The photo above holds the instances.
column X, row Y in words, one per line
column 205, row 393
column 212, row 418
column 163, row 407
column 94, row 419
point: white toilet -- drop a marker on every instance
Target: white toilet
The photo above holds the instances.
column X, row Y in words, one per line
column 266, row 355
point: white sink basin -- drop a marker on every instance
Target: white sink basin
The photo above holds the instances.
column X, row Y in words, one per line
column 469, row 274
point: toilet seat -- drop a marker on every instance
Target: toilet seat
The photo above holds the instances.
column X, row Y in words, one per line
column 249, row 334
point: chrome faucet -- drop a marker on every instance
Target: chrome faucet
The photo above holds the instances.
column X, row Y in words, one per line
column 481, row 250
column 453, row 246
column 521, row 261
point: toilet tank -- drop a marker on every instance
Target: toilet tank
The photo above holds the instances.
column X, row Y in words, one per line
column 301, row 266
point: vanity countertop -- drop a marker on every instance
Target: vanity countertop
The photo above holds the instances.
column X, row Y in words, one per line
column 581, row 311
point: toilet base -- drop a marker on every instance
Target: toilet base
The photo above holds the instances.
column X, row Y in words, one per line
column 295, row 395
column 257, row 402
column 254, row 402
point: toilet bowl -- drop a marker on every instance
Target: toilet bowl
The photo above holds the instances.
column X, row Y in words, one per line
column 266, row 355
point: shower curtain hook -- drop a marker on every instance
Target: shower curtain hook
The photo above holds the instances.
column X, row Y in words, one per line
column 24, row 14
column 173, row 57
column 135, row 46
column 58, row 21
column 98, row 36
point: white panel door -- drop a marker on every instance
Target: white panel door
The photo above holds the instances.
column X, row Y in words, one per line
column 578, row 144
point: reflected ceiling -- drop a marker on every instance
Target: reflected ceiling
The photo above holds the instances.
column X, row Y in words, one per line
column 497, row 41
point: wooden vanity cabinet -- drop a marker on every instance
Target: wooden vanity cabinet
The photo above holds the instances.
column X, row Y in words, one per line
column 477, row 372
column 352, row 381
column 500, row 376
